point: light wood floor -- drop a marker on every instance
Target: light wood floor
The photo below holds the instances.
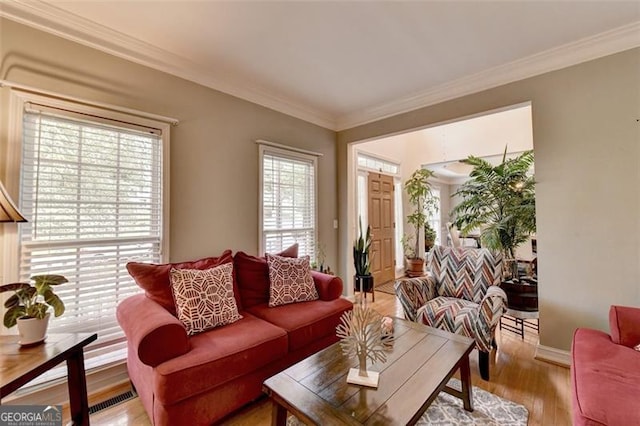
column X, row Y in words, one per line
column 541, row 387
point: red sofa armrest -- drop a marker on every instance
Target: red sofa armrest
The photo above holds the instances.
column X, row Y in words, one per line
column 329, row 286
column 624, row 324
column 152, row 332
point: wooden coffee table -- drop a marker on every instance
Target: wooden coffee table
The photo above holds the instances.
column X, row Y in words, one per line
column 418, row 367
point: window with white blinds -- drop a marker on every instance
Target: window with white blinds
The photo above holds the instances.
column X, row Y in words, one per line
column 288, row 207
column 93, row 196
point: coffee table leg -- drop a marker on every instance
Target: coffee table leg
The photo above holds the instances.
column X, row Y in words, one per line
column 278, row 415
column 465, row 378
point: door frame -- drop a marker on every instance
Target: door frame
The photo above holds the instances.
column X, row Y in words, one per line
column 354, row 207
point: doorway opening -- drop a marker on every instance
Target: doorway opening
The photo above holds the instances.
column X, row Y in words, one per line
column 439, row 148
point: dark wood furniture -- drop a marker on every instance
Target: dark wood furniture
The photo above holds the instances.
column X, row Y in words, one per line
column 419, row 365
column 522, row 295
column 21, row 364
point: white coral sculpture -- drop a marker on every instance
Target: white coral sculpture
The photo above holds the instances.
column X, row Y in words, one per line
column 361, row 334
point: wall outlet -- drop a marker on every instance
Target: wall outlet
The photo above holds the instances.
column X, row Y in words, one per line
column 335, row 223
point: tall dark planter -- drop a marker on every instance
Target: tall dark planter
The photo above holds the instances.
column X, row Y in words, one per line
column 363, row 283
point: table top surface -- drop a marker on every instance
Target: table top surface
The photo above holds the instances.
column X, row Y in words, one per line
column 420, row 362
column 16, row 361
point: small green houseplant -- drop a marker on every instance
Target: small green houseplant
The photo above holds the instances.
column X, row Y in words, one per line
column 424, row 203
column 29, row 305
column 363, row 280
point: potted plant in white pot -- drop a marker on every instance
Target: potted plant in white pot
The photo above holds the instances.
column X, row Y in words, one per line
column 28, row 307
column 423, row 201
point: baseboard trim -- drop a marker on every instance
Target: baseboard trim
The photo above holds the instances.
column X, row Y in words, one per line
column 553, row 355
column 56, row 393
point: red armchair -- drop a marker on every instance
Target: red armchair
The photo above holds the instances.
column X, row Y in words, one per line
column 605, row 372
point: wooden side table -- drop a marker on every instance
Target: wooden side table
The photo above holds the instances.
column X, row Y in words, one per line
column 21, row 364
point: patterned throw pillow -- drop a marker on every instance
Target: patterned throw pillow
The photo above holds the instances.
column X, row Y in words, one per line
column 204, row 298
column 290, row 279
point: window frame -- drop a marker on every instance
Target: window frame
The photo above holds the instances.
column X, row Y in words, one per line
column 294, row 154
column 98, row 113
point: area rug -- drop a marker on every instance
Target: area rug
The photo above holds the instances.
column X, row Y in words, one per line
column 447, row 410
column 386, row 287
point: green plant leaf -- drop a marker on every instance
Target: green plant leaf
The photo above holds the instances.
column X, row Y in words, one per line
column 53, row 300
column 49, row 279
column 12, row 315
column 12, row 301
column 44, row 282
column 13, row 287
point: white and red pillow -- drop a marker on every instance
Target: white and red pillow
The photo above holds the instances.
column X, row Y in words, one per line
column 204, row 298
column 290, row 280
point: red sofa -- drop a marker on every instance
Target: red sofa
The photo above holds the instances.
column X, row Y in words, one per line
column 200, row 379
column 605, row 372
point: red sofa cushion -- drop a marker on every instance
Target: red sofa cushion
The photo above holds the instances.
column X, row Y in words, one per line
column 605, row 379
column 252, row 276
column 624, row 323
column 218, row 356
column 154, row 279
column 304, row 321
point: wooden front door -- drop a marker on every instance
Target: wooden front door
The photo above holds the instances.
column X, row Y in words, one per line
column 382, row 222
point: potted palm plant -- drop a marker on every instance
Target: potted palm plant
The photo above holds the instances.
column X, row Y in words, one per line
column 500, row 201
column 28, row 307
column 424, row 203
column 363, row 280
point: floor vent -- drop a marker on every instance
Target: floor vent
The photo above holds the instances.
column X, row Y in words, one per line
column 111, row 402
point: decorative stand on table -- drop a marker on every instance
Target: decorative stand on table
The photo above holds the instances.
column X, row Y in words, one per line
column 365, row 335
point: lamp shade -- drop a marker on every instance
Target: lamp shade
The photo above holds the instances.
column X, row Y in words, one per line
column 8, row 211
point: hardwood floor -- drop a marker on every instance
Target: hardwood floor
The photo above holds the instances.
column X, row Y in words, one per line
column 541, row 387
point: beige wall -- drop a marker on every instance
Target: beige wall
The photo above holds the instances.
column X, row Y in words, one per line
column 214, row 160
column 587, row 143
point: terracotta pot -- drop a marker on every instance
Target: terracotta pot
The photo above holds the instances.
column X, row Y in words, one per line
column 416, row 267
column 33, row 330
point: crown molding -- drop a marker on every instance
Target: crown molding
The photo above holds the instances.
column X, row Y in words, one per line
column 586, row 49
column 49, row 18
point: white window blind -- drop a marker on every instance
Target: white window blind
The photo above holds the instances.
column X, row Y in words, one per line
column 93, row 196
column 288, row 201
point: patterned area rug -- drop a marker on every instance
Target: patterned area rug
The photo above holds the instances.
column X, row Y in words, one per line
column 386, row 287
column 488, row 410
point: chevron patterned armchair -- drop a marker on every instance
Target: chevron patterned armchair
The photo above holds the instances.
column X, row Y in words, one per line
column 459, row 294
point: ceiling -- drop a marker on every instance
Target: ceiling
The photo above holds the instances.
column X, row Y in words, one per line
column 340, row 64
